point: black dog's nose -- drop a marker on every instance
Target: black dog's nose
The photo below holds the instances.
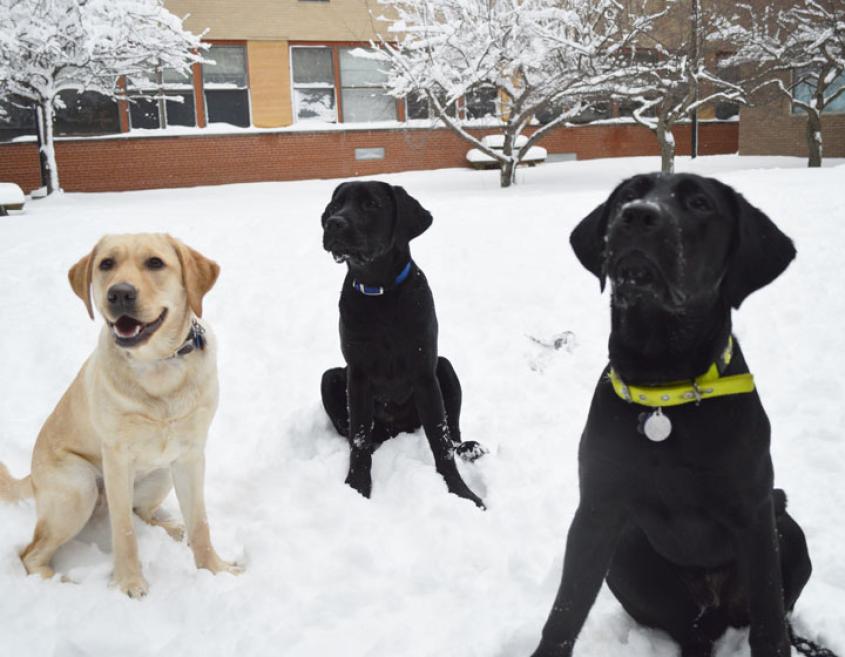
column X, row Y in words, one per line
column 641, row 216
column 122, row 295
column 335, row 224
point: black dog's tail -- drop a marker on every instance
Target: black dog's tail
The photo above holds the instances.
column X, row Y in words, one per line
column 805, row 646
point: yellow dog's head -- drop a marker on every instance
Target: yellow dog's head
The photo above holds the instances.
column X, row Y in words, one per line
column 146, row 286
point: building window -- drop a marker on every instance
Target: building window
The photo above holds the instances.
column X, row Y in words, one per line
column 313, row 84
column 165, row 98
column 359, row 84
column 226, row 86
column 86, row 113
column 363, row 95
column 805, row 80
column 17, row 118
column 480, row 102
column 417, row 106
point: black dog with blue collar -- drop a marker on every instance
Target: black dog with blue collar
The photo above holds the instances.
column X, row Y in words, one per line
column 394, row 380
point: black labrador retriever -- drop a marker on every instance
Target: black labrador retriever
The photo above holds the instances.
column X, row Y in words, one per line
column 394, row 381
column 677, row 506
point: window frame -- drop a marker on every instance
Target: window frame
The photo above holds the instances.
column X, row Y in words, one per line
column 243, row 89
column 830, row 110
column 335, row 59
column 334, row 47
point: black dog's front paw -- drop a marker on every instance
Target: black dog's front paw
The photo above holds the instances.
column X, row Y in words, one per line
column 359, row 477
column 460, row 489
column 470, row 451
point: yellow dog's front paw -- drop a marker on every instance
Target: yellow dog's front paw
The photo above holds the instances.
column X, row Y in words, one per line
column 217, row 565
column 135, row 586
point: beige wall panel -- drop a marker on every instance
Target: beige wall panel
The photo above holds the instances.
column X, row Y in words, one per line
column 332, row 20
column 269, row 83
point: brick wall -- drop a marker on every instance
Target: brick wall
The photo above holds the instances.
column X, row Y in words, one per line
column 123, row 163
column 769, row 128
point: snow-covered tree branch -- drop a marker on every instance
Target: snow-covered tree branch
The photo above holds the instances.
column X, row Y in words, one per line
column 51, row 46
column 539, row 55
column 799, row 51
column 674, row 72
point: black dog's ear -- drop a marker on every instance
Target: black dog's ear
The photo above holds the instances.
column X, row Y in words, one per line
column 326, row 212
column 412, row 219
column 588, row 240
column 760, row 252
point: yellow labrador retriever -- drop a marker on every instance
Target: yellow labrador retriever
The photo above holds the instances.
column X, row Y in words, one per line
column 137, row 415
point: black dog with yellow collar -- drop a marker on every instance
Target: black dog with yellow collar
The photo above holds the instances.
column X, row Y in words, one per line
column 686, row 527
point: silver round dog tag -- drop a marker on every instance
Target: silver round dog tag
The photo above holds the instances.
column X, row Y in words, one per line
column 657, row 426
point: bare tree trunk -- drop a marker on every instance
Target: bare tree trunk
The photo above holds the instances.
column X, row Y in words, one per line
column 46, row 147
column 506, row 178
column 814, row 139
column 667, row 147
column 508, row 170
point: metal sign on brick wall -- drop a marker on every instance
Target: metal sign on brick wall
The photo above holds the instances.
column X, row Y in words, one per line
column 369, row 153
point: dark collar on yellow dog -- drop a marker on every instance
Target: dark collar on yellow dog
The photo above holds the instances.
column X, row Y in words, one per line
column 708, row 385
column 195, row 340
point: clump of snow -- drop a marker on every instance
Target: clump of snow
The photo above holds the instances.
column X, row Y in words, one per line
column 413, row 572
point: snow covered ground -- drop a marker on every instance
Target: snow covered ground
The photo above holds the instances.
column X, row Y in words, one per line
column 413, row 572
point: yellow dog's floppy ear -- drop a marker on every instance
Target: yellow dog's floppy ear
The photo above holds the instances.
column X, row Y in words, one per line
column 80, row 279
column 198, row 273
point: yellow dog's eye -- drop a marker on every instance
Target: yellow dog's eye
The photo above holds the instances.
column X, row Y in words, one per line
column 106, row 264
column 154, row 263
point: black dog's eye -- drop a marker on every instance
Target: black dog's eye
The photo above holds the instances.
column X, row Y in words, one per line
column 627, row 195
column 154, row 263
column 699, row 202
column 371, row 204
column 106, row 264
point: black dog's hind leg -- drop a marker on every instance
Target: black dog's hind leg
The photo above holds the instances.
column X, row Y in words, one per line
column 655, row 593
column 431, row 408
column 450, row 386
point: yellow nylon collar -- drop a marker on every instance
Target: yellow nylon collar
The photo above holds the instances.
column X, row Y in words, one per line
column 710, row 384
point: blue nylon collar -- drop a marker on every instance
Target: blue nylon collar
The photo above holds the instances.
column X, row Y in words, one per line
column 378, row 290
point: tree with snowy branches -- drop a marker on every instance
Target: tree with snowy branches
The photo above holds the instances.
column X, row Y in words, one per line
column 800, row 51
column 673, row 72
column 540, row 56
column 51, row 46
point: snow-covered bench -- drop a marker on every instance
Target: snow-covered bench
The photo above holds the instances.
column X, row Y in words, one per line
column 478, row 159
column 11, row 198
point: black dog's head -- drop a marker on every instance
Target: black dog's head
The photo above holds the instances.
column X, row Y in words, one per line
column 672, row 240
column 367, row 220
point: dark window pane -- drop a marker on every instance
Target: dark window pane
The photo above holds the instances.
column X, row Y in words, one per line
column 229, row 66
column 726, row 110
column 87, row 113
column 481, row 102
column 180, row 113
column 15, row 120
column 596, row 111
column 312, row 66
column 228, row 106
column 143, row 113
column 416, row 107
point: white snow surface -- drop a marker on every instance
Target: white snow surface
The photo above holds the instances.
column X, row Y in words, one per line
column 414, row 571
